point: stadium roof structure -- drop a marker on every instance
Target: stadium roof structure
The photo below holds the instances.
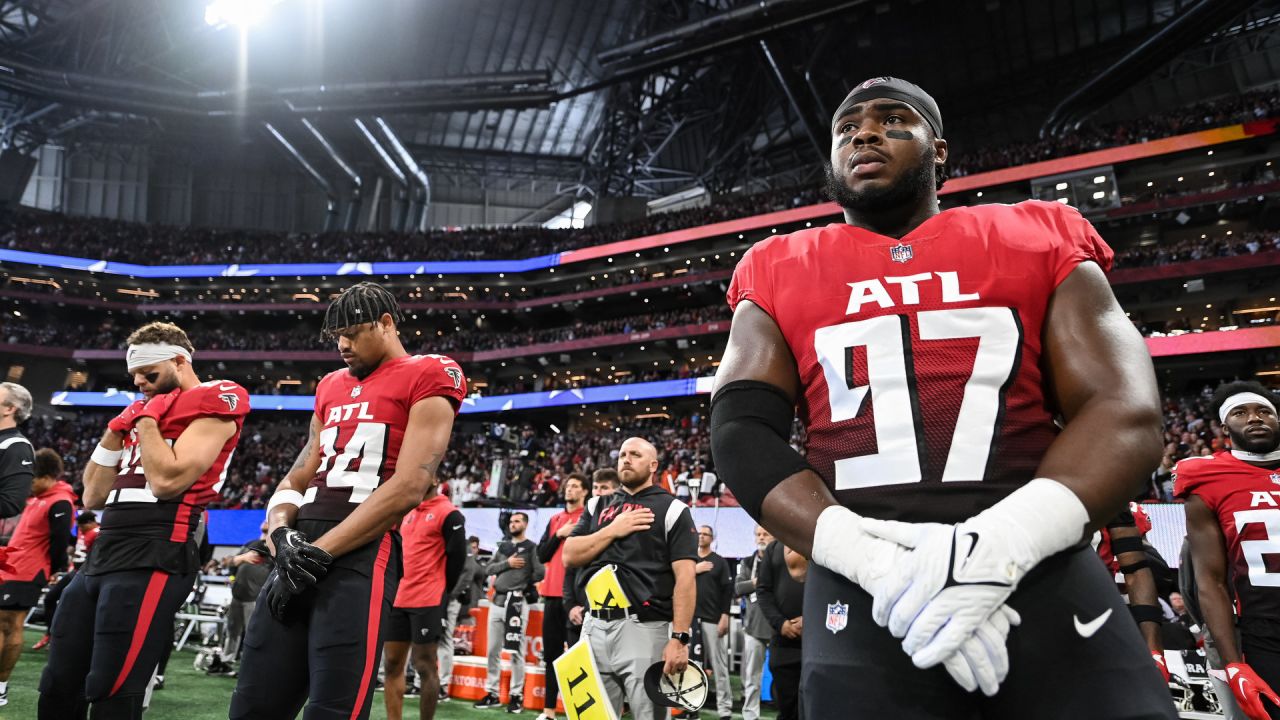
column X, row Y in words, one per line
column 638, row 98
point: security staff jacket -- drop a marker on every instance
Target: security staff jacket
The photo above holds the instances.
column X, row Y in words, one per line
column 642, row 559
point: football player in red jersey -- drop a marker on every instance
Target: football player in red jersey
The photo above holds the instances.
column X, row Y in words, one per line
column 1122, row 550
column 37, row 550
column 1233, row 526
column 939, row 503
column 435, row 549
column 379, row 432
column 159, row 463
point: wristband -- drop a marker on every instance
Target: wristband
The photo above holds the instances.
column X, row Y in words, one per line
column 286, row 497
column 106, row 457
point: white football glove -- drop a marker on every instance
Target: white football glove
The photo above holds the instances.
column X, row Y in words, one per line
column 840, row 544
column 957, row 576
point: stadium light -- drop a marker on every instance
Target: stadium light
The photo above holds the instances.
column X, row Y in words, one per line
column 241, row 13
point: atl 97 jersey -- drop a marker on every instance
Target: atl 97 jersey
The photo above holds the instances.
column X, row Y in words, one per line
column 1246, row 500
column 131, row 505
column 920, row 358
column 362, row 426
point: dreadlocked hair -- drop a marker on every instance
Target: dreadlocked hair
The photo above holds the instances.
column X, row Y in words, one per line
column 361, row 304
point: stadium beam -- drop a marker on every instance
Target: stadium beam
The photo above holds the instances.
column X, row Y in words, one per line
column 398, row 222
column 357, row 183
column 331, row 209
column 1183, row 31
column 415, row 221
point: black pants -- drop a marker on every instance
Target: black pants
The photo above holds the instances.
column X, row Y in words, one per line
column 861, row 671
column 784, row 666
column 1265, row 660
column 555, row 621
column 326, row 653
column 106, row 640
column 52, row 597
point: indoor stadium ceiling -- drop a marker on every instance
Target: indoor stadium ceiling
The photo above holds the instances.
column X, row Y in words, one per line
column 608, row 97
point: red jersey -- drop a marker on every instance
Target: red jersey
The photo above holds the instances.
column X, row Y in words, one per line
column 1246, row 499
column 919, row 358
column 29, row 547
column 139, row 530
column 84, row 543
column 553, row 581
column 423, row 530
column 363, row 423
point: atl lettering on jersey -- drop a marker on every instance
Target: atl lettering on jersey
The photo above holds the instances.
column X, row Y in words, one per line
column 920, row 357
column 363, row 424
column 1246, row 500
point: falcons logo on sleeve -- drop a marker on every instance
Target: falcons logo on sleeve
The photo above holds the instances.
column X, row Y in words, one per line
column 230, row 399
column 456, row 375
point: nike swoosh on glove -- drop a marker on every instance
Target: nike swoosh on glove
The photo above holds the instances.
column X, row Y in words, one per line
column 956, row 577
column 278, row 596
column 1249, row 689
column 299, row 564
column 840, row 544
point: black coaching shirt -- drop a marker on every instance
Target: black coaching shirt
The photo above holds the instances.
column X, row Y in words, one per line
column 643, row 559
column 17, row 458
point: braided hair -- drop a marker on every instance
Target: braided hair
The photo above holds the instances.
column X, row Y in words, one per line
column 361, row 304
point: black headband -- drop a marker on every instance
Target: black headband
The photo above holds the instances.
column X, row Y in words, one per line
column 897, row 89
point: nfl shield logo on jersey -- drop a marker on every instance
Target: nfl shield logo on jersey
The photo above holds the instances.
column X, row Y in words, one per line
column 355, row 391
column 837, row 616
column 1275, row 477
column 900, row 253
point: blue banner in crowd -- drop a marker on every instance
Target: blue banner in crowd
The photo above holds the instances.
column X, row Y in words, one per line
column 499, row 403
column 411, row 267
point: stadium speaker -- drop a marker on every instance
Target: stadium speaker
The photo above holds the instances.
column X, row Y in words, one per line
column 15, row 172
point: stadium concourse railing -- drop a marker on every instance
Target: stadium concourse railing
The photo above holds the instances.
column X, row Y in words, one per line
column 783, row 218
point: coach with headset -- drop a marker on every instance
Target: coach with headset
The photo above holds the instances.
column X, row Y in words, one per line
column 638, row 548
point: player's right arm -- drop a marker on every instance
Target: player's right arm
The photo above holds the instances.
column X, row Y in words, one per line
column 98, row 477
column 581, row 550
column 758, row 352
column 283, row 511
column 1209, row 557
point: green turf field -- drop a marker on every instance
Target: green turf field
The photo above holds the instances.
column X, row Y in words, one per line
column 191, row 695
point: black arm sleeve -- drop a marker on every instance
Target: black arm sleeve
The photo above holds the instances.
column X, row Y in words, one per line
column 455, row 549
column 570, row 590
column 547, row 545
column 764, row 587
column 59, row 534
column 751, row 440
column 16, row 463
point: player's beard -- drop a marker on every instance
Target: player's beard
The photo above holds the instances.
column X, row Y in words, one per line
column 360, row 370
column 167, row 382
column 909, row 188
column 632, row 478
column 1260, row 446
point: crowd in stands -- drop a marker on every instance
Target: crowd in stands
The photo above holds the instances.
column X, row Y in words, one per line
column 154, row 244
column 536, row 458
column 1088, row 137
column 304, row 336
column 1247, row 243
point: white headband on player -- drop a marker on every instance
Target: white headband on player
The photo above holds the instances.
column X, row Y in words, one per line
column 1243, row 398
column 144, row 354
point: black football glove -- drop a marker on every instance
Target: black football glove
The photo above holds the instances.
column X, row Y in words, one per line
column 299, row 564
column 277, row 596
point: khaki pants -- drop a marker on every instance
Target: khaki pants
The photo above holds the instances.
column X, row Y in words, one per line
column 497, row 632
column 715, row 650
column 444, row 649
column 752, row 671
column 624, row 650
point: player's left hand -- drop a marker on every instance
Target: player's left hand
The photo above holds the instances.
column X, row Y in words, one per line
column 1161, row 665
column 722, row 627
column 954, row 577
column 299, row 563
column 158, row 405
column 1249, row 689
column 278, row 596
column 675, row 657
